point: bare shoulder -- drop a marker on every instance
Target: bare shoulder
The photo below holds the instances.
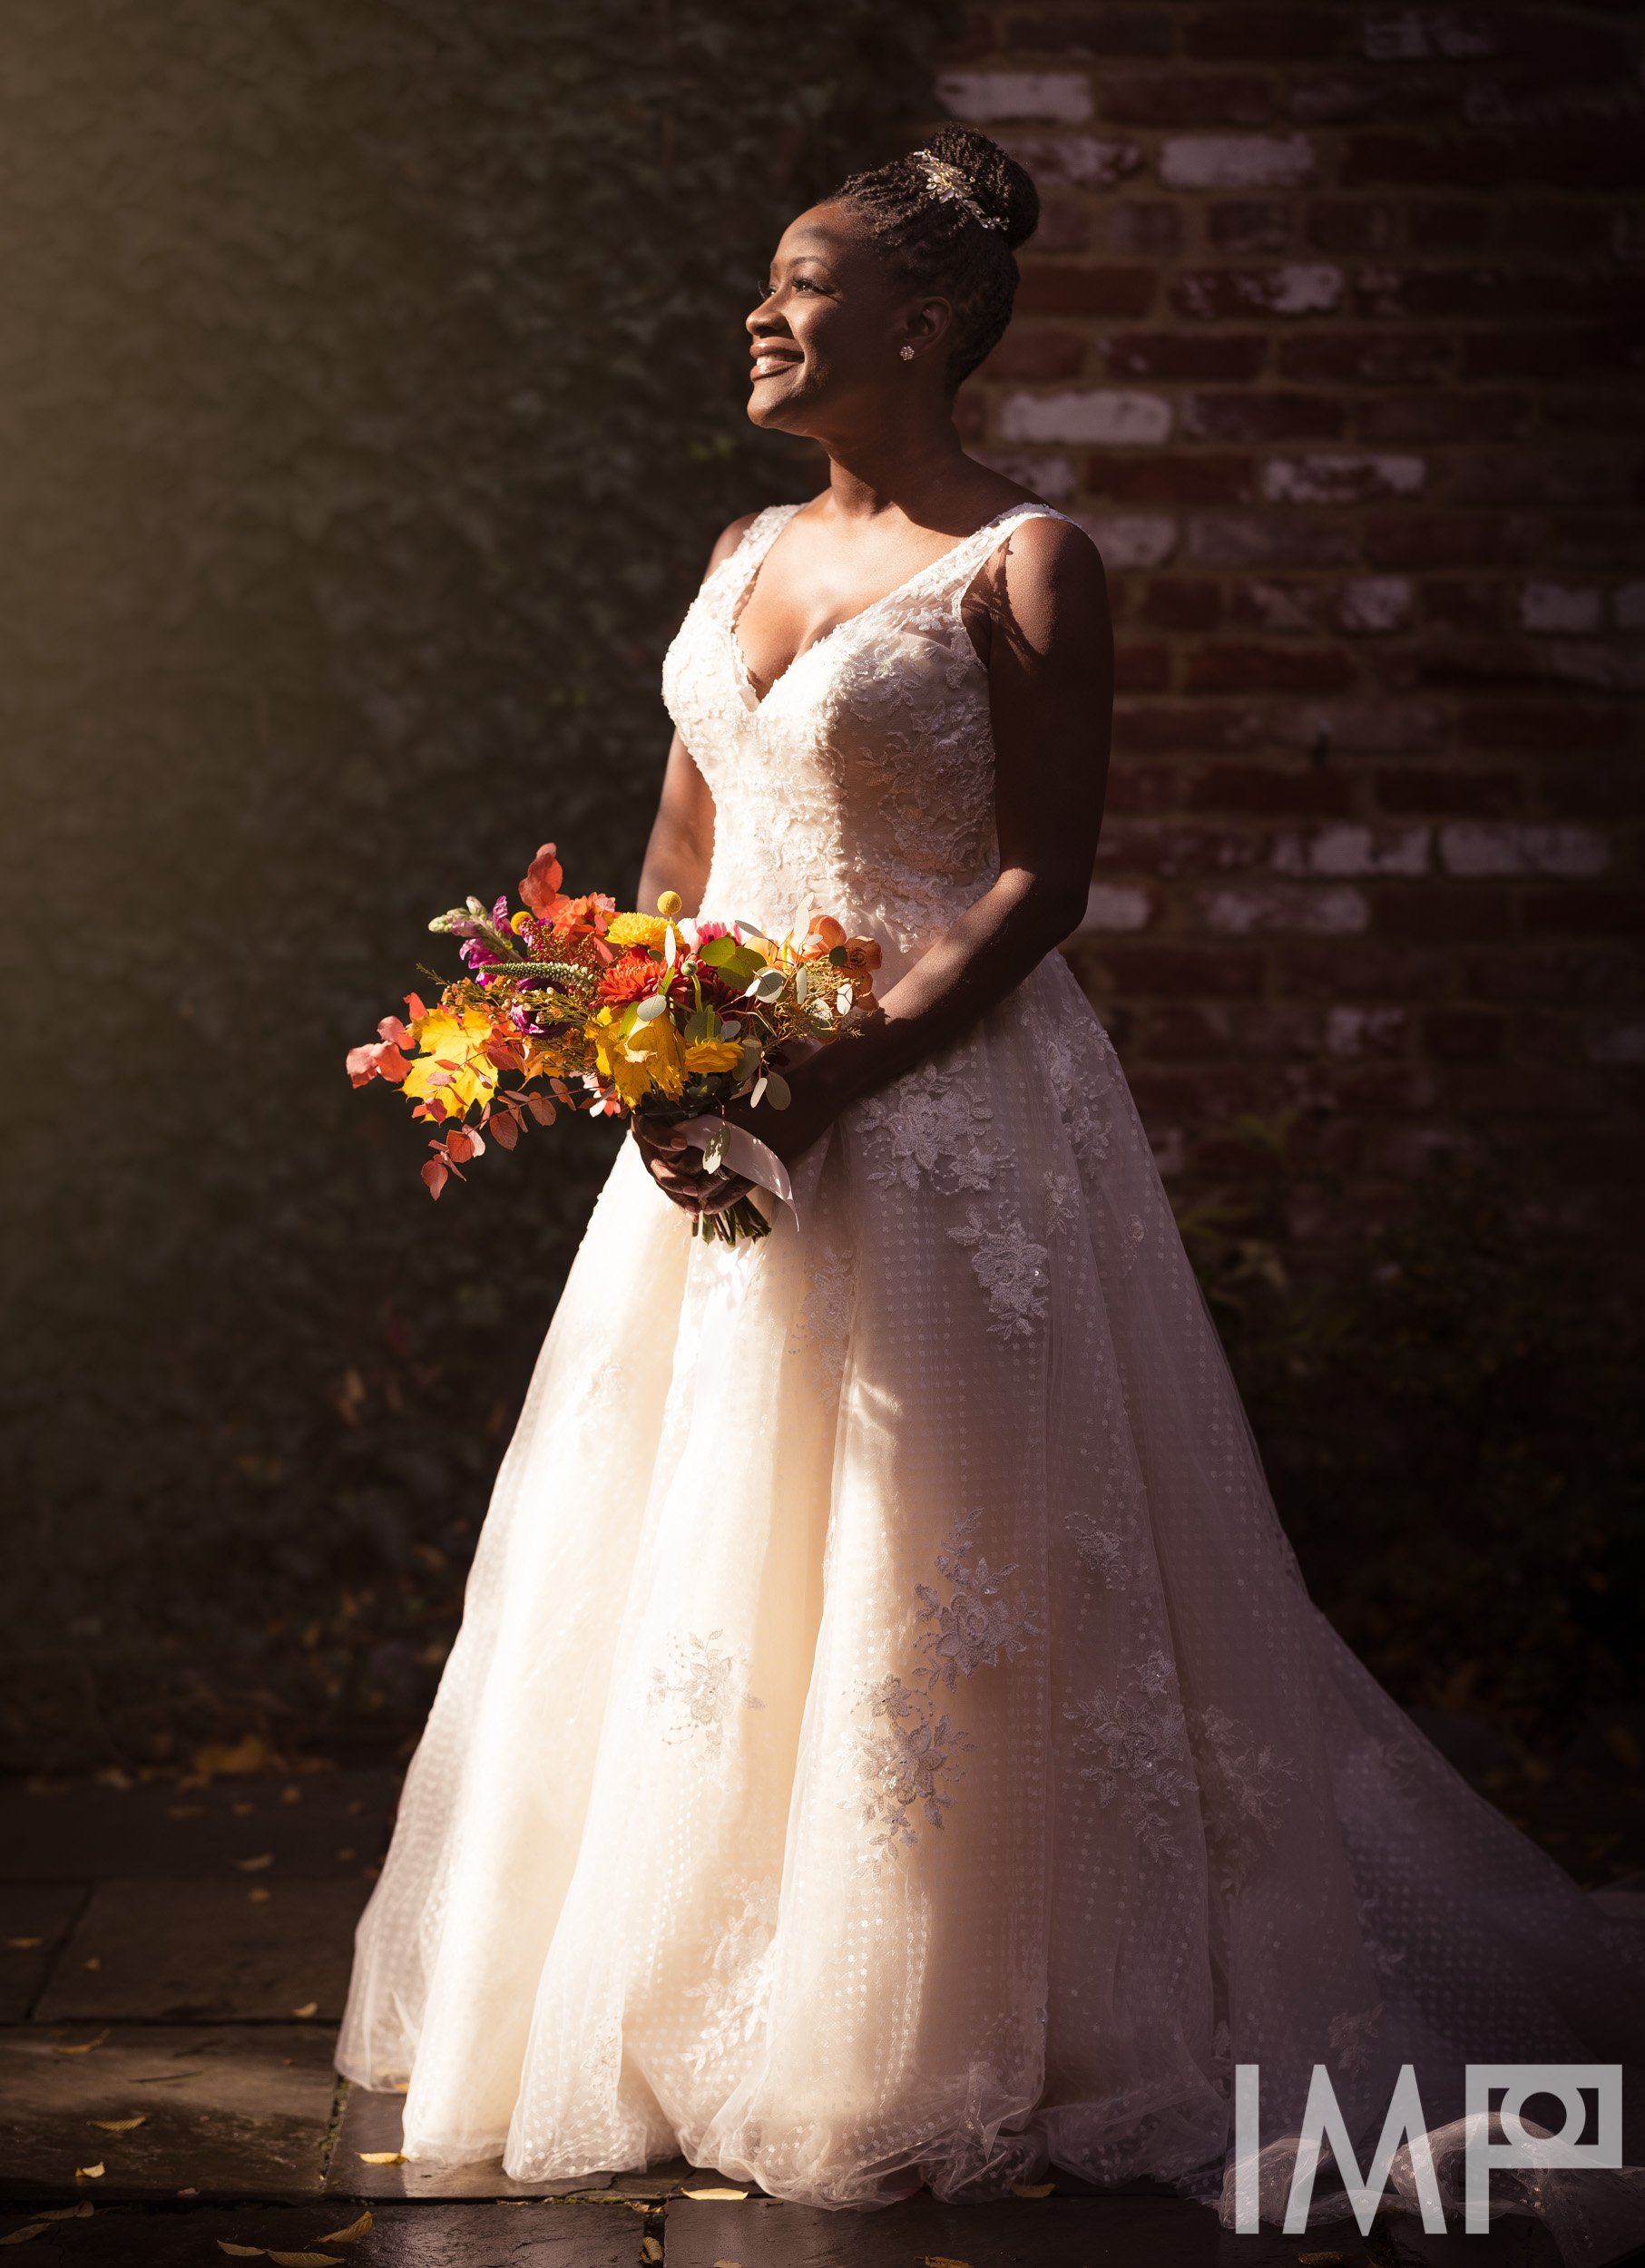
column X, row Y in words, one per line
column 1048, row 574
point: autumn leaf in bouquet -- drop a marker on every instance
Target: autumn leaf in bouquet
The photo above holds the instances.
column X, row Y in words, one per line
column 568, row 1003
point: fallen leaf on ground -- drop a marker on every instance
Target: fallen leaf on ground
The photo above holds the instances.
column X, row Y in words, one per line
column 95, row 1963
column 184, row 1811
column 120, row 2126
column 260, row 1897
column 240, row 2251
column 292, row 1796
column 944, row 2260
column 1032, row 2189
column 356, row 2229
column 36, row 2228
column 728, row 2263
column 246, row 1757
column 302, row 2260
column 91, row 2173
column 716, row 2197
column 23, row 1945
column 309, row 2008
column 382, row 2157
column 68, row 2213
column 1319, row 2259
column 82, row 2047
column 650, row 2249
column 256, row 1865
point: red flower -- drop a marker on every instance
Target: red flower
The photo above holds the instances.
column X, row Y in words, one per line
column 629, row 977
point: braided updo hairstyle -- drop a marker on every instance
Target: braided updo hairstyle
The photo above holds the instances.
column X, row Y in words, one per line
column 946, row 219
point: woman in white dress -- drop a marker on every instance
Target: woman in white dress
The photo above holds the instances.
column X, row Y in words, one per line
column 889, row 1741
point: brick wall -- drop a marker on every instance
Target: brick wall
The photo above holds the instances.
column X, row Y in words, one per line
column 1331, row 336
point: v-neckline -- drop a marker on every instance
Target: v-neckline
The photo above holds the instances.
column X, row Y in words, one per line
column 745, row 676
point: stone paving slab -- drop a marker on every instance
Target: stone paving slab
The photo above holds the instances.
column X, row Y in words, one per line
column 402, row 2236
column 34, row 1920
column 1111, row 2232
column 228, row 2110
column 211, row 1951
column 371, row 2122
column 73, row 1832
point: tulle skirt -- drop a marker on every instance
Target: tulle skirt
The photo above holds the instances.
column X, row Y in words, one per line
column 889, row 1741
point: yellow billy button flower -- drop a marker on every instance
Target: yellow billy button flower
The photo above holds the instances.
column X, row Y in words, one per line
column 669, row 904
column 708, row 1056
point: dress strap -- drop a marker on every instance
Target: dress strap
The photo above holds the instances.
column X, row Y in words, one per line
column 738, row 569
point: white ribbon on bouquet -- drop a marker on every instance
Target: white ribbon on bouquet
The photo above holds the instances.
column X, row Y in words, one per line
column 744, row 1153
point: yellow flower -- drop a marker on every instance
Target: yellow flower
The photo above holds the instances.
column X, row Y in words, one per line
column 630, row 1077
column 451, row 1070
column 655, row 1043
column 636, row 929
column 670, row 902
column 713, row 1055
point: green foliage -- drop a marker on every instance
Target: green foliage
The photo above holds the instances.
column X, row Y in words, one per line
column 372, row 395
column 1455, row 1434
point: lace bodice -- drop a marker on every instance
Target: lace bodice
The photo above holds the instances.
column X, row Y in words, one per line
column 863, row 782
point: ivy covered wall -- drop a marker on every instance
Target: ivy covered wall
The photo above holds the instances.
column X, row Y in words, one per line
column 371, row 391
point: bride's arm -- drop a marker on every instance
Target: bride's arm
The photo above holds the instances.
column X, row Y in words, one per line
column 1051, row 684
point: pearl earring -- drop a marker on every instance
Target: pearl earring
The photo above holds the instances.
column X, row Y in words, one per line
column 906, row 353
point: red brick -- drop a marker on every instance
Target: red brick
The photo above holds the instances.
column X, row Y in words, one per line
column 1142, row 783
column 1215, row 1094
column 1231, row 32
column 1368, row 357
column 1175, row 476
column 1564, row 726
column 1562, row 975
column 1595, row 408
column 1252, row 225
column 1092, row 32
column 1168, row 355
column 1137, row 225
column 1066, row 288
column 1269, row 539
column 1539, row 476
column 1445, row 416
column 1471, row 604
column 1250, row 417
column 1187, row 971
column 1535, row 352
column 1365, row 968
column 1178, row 98
column 1464, row 1035
column 1142, row 669
column 1573, row 231
column 1192, row 726
column 1028, row 353
column 1442, row 227
column 1485, row 293
column 1433, row 791
column 1583, row 912
column 1064, row 223
column 1487, row 1094
column 1318, row 792
column 1295, row 604
column 1178, row 847
column 1443, row 913
column 1589, row 541
column 1182, row 602
column 1592, row 153
column 1185, row 1035
column 1405, row 540
column 1217, row 295
column 1359, row 224
column 1221, row 666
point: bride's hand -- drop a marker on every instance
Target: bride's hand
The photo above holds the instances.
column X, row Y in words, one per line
column 813, row 1107
column 679, row 1171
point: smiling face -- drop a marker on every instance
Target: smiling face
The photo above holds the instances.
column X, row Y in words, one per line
column 826, row 340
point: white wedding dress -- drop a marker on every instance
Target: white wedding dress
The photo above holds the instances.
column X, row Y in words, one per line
column 889, row 1740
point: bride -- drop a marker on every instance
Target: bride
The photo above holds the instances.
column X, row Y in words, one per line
column 889, row 1742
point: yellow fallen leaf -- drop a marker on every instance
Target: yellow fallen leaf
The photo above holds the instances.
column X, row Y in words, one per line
column 68, row 2213
column 728, row 2263
column 94, row 1963
column 381, row 2157
column 256, row 1865
column 240, row 2251
column 91, row 2173
column 37, row 2228
column 23, row 1945
column 82, row 2047
column 355, row 2230
column 185, row 1811
column 1032, row 2189
column 650, row 2250
column 245, row 1757
column 302, row 2260
column 716, row 2197
column 292, row 1796
column 120, row 2126
column 309, row 2008
column 944, row 2260
column 1319, row 2259
column 260, row 1897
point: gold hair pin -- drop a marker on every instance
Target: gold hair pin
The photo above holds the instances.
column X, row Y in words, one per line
column 946, row 181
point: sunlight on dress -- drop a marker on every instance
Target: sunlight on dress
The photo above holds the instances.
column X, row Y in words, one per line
column 889, row 1741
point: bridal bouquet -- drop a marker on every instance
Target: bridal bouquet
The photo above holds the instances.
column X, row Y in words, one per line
column 569, row 1003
